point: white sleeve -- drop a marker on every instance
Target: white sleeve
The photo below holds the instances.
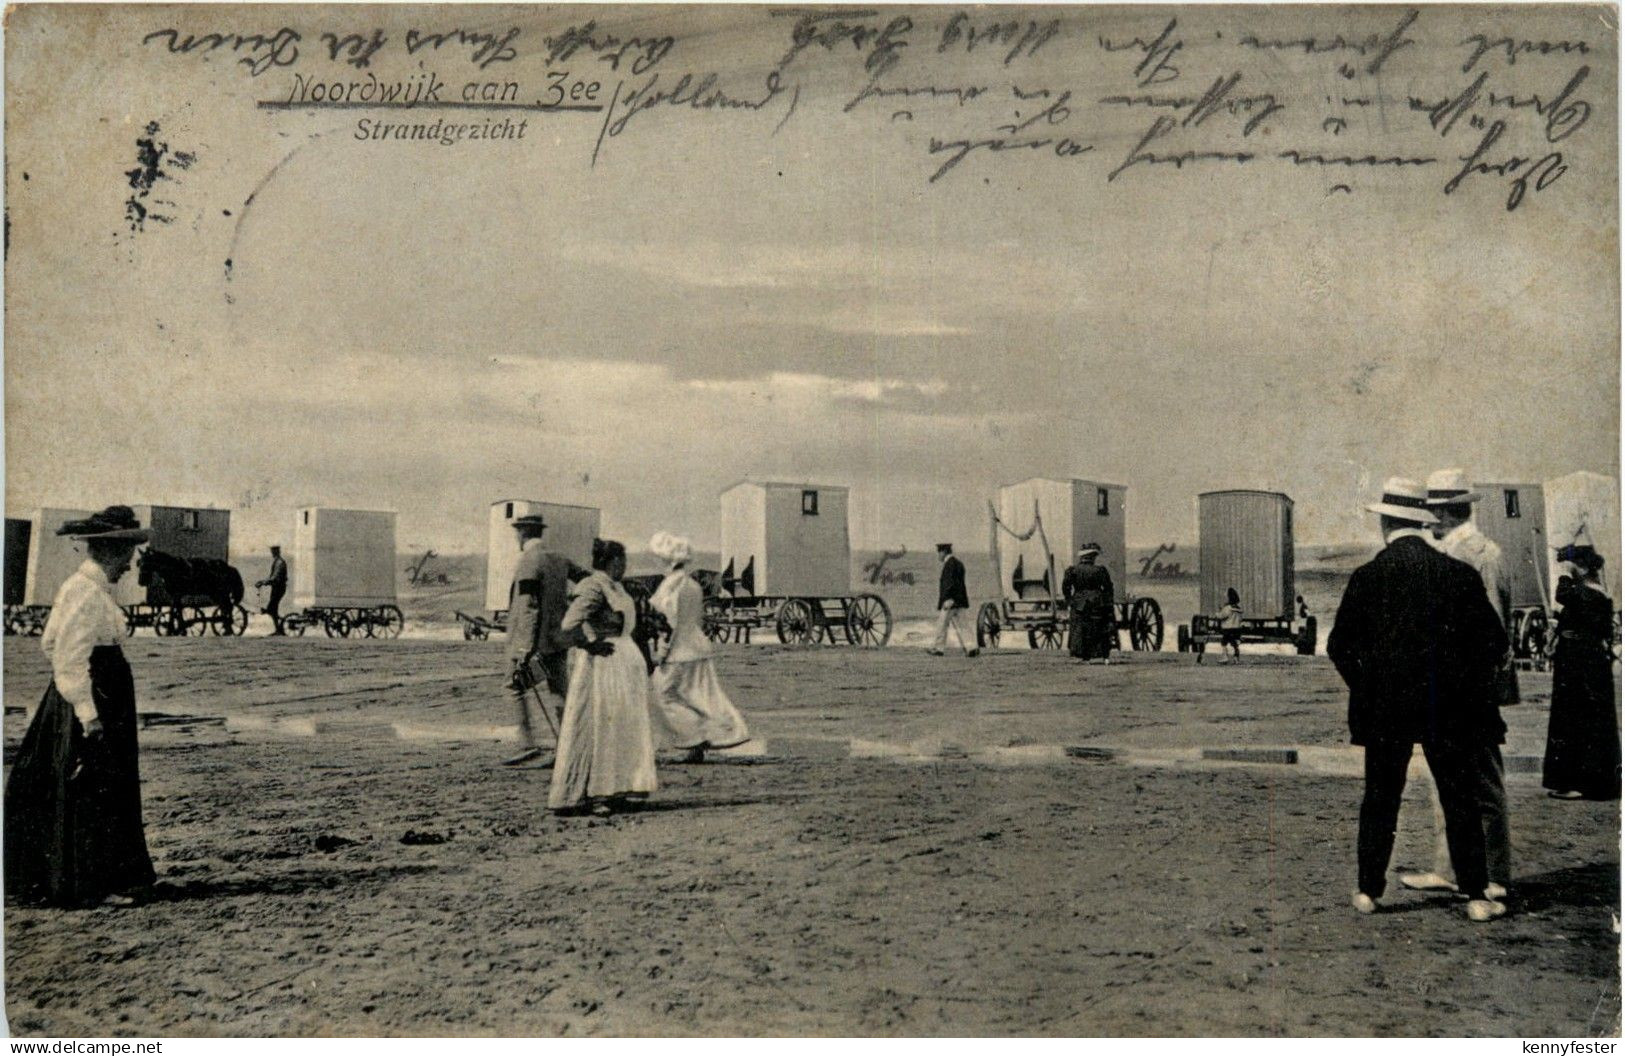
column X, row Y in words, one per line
column 69, row 648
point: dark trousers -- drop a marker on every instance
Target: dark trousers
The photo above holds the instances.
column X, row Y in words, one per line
column 272, row 606
column 1455, row 771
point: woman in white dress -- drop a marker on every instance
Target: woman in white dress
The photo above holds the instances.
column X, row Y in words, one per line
column 691, row 711
column 606, row 756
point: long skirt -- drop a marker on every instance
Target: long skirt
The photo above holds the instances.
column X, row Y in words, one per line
column 605, row 745
column 1582, row 735
column 1089, row 636
column 691, row 710
column 73, row 805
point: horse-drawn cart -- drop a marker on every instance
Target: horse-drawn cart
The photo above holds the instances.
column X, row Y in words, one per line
column 791, row 541
column 1246, row 544
column 1080, row 512
column 344, row 574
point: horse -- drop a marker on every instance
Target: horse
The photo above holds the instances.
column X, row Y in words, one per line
column 172, row 580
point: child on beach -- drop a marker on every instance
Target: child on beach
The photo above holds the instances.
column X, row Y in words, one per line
column 1229, row 619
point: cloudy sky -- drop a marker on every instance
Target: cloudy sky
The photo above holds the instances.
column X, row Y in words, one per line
column 428, row 329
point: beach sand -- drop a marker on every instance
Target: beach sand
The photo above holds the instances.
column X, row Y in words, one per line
column 906, row 849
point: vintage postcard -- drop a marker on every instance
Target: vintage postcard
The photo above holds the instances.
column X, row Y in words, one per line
column 812, row 520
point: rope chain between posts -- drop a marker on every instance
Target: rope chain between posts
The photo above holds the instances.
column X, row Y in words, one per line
column 1022, row 537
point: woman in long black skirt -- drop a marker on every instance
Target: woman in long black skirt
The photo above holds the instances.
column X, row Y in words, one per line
column 73, row 829
column 1582, row 738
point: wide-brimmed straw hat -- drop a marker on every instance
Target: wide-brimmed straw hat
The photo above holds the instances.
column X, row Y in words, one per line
column 670, row 548
column 114, row 524
column 1448, row 487
column 1404, row 500
column 1088, row 548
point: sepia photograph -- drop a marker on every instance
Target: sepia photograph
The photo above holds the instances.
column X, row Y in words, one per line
column 737, row 520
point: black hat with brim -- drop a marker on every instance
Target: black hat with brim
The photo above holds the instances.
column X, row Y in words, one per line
column 114, row 524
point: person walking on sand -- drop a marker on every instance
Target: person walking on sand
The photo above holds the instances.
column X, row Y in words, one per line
column 1229, row 619
column 691, row 711
column 538, row 651
column 1582, row 736
column 1451, row 499
column 606, row 757
column 1087, row 588
column 74, row 835
column 1417, row 642
column 952, row 600
column 277, row 580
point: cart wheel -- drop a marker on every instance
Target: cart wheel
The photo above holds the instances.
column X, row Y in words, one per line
column 1533, row 639
column 473, row 632
column 714, row 619
column 1145, row 625
column 391, row 621
column 216, row 621
column 239, row 620
column 796, row 623
column 130, row 623
column 295, row 624
column 173, row 620
column 989, row 622
column 868, row 621
column 1045, row 636
column 336, row 623
column 1183, row 638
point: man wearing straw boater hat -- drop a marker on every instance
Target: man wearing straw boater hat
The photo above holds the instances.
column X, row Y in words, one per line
column 74, row 834
column 1451, row 499
column 952, row 600
column 1418, row 644
column 537, row 648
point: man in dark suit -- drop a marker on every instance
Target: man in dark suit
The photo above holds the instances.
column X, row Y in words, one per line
column 951, row 600
column 1418, row 643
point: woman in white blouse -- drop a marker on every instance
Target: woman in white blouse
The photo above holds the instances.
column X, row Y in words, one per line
column 606, row 759
column 691, row 711
column 74, row 834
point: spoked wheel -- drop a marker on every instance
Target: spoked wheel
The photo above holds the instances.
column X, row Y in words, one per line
column 714, row 619
column 796, row 623
column 1533, row 640
column 1045, row 636
column 989, row 624
column 868, row 621
column 473, row 632
column 336, row 624
column 238, row 625
column 391, row 621
column 1145, row 625
column 170, row 622
column 130, row 624
column 295, row 624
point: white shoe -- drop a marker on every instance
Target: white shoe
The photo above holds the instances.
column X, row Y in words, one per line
column 1494, row 892
column 1428, row 882
column 1483, row 909
column 1365, row 903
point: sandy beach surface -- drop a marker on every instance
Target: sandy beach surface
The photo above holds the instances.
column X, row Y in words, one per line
column 908, row 848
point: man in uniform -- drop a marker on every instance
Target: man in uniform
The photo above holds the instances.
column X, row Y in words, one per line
column 537, row 648
column 951, row 600
column 1450, row 498
column 278, row 582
